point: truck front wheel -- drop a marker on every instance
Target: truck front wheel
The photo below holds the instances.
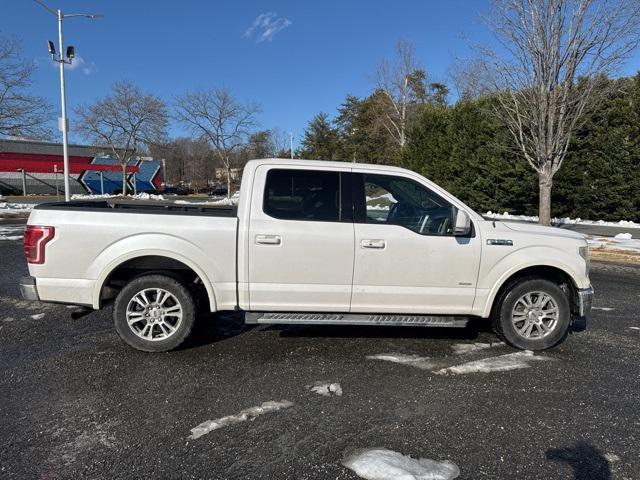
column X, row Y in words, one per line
column 154, row 313
column 534, row 314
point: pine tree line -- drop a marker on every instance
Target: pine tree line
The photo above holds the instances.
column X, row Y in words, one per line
column 466, row 150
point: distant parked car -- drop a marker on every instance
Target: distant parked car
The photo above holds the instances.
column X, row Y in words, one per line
column 218, row 190
column 178, row 190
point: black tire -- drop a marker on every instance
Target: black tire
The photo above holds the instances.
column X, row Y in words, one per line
column 182, row 329
column 507, row 330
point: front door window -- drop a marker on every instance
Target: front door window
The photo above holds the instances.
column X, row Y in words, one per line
column 400, row 201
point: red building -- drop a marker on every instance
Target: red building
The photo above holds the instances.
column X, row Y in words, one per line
column 38, row 166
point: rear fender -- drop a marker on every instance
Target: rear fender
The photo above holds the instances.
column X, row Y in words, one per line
column 151, row 244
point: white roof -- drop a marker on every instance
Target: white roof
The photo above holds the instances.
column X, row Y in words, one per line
column 326, row 163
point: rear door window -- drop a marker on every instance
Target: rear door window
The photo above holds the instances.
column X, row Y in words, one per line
column 311, row 195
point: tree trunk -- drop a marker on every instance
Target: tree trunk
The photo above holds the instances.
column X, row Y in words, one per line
column 124, row 179
column 544, row 205
column 228, row 181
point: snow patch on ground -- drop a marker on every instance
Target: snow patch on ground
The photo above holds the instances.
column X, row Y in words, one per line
column 621, row 241
column 326, row 389
column 243, row 416
column 624, row 236
column 37, row 316
column 223, row 201
column 86, row 441
column 147, row 196
column 11, row 232
column 383, row 464
column 634, row 328
column 561, row 221
column 462, row 348
column 96, row 196
column 604, row 309
column 9, row 208
column 502, row 363
column 424, row 363
column 611, row 457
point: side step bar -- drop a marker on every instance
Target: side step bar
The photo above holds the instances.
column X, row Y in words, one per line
column 356, row 319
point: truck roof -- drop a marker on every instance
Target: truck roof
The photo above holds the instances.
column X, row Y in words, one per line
column 323, row 163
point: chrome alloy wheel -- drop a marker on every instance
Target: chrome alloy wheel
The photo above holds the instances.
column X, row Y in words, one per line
column 154, row 314
column 535, row 315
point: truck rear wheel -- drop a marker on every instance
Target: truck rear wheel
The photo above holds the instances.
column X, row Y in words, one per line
column 533, row 315
column 154, row 313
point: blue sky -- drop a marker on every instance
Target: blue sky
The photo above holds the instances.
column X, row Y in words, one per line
column 302, row 59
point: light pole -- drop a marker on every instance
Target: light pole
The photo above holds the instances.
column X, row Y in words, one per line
column 291, row 143
column 64, row 124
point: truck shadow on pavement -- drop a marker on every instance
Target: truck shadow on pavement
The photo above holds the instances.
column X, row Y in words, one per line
column 212, row 328
column 216, row 327
column 587, row 462
column 471, row 332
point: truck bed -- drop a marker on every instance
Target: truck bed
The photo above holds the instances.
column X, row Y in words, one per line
column 147, row 207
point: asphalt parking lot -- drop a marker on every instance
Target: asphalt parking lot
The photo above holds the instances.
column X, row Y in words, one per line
column 75, row 402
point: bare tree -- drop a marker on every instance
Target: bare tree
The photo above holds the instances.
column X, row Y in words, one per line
column 556, row 50
column 403, row 84
column 218, row 117
column 21, row 114
column 124, row 121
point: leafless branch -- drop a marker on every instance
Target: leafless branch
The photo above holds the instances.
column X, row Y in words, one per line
column 21, row 114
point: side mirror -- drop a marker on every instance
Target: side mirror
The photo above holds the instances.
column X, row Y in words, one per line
column 463, row 223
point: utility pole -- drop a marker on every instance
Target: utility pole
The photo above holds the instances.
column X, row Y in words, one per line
column 63, row 123
column 291, row 143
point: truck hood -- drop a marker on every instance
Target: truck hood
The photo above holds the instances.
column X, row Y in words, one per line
column 542, row 230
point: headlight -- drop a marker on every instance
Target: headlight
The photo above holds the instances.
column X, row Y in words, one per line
column 584, row 253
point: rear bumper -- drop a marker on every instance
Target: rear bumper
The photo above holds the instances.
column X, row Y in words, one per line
column 28, row 288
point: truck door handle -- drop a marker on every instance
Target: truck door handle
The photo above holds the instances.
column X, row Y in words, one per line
column 268, row 239
column 379, row 244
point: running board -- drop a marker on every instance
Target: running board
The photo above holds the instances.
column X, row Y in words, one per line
column 357, row 319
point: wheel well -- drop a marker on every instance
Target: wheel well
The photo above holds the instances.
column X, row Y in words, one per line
column 553, row 274
column 146, row 265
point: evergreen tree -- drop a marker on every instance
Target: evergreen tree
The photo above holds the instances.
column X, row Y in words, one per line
column 321, row 141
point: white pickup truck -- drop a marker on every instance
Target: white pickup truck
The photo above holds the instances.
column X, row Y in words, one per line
column 310, row 242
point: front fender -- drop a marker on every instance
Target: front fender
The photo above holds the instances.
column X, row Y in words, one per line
column 162, row 245
column 535, row 256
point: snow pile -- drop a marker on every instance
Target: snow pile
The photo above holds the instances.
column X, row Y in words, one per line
column 97, row 196
column 561, row 221
column 243, row 416
column 91, row 196
column 10, row 208
column 502, row 363
column 381, row 202
column 11, row 232
column 326, row 389
column 383, row 464
column 621, row 241
column 463, row 348
column 424, row 363
column 148, row 196
column 223, row 201
column 623, row 236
